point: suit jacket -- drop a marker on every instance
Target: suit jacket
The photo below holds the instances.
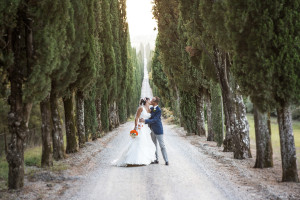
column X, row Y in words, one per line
column 155, row 121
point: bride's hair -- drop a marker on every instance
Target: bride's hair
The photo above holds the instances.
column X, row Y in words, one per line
column 143, row 101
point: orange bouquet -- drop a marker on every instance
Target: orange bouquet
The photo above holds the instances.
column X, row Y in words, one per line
column 133, row 133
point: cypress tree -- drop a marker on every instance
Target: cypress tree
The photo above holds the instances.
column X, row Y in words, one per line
column 109, row 63
column 217, row 115
column 28, row 71
column 104, row 110
column 215, row 43
column 17, row 124
column 99, row 84
column 118, row 76
column 123, row 70
column 90, row 122
column 159, row 78
column 87, row 72
column 46, row 160
column 61, row 78
column 182, row 66
column 267, row 60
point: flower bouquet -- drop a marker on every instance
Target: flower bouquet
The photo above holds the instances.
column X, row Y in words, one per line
column 133, row 133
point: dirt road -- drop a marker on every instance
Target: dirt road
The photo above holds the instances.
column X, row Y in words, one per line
column 190, row 175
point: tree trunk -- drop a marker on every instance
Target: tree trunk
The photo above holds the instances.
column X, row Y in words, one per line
column 241, row 131
column 113, row 116
column 200, row 114
column 227, row 96
column 98, row 110
column 57, row 134
column 46, row 133
column 237, row 136
column 19, row 113
column 110, row 117
column 264, row 152
column 210, row 133
column 80, row 118
column 287, row 144
column 117, row 115
column 70, row 125
column 228, row 141
column 216, row 109
column 18, row 130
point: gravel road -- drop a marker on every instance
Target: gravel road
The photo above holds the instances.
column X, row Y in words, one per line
column 190, row 175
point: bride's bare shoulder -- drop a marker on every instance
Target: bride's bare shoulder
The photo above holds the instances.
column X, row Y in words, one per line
column 140, row 108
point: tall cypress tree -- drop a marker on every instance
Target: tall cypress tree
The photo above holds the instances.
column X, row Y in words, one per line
column 181, row 66
column 109, row 63
column 87, row 72
column 123, row 70
column 61, row 78
column 214, row 41
column 267, row 64
column 159, row 77
column 28, row 70
column 118, row 76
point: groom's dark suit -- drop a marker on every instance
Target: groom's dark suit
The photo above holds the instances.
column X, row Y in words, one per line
column 157, row 131
column 155, row 121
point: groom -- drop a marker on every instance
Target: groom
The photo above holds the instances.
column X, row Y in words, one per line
column 156, row 129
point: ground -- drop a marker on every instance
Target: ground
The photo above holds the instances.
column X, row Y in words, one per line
column 198, row 170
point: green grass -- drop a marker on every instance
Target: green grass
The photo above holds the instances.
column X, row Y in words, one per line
column 3, row 168
column 32, row 157
column 275, row 136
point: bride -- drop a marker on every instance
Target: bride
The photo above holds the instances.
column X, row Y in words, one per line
column 141, row 149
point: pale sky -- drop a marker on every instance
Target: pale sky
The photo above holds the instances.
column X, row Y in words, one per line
column 141, row 24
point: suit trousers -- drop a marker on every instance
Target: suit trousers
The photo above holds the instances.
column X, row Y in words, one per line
column 160, row 139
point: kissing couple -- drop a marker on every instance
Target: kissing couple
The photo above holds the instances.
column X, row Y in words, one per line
column 141, row 150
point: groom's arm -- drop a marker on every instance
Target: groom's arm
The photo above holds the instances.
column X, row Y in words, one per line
column 155, row 119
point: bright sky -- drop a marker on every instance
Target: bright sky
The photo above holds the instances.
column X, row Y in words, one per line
column 141, row 24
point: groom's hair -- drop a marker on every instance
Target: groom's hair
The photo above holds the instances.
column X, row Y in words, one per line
column 157, row 99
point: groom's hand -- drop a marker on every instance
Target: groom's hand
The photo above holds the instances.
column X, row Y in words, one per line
column 142, row 120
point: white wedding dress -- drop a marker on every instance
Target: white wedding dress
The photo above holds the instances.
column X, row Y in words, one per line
column 141, row 149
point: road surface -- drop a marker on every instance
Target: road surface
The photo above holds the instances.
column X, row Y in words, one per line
column 190, row 175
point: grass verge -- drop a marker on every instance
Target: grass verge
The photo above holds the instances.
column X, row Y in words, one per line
column 32, row 157
column 275, row 136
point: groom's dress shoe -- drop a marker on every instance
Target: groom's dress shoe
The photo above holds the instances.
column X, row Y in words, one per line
column 167, row 163
column 155, row 162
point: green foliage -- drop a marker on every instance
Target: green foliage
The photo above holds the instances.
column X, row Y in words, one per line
column 8, row 14
column 3, row 168
column 266, row 55
column 159, row 78
column 85, row 46
column 122, row 70
column 188, row 114
column 3, row 114
column 104, row 110
column 108, row 51
column 90, row 115
column 216, row 110
column 177, row 65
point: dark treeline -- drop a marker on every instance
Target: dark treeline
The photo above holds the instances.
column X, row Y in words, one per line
column 210, row 53
column 75, row 54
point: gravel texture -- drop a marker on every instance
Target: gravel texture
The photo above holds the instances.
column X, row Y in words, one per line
column 190, row 175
